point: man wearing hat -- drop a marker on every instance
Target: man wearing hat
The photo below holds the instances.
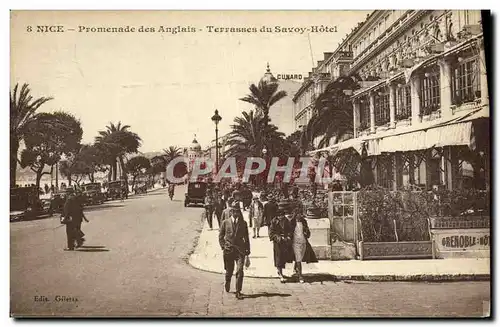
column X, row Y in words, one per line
column 281, row 234
column 255, row 215
column 270, row 210
column 235, row 244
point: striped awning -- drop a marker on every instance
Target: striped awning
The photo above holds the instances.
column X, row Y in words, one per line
column 447, row 135
column 457, row 130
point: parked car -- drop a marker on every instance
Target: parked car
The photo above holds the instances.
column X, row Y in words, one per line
column 116, row 189
column 92, row 193
column 57, row 200
column 141, row 188
column 196, row 192
column 25, row 204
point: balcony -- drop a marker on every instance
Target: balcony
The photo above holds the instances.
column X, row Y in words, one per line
column 343, row 55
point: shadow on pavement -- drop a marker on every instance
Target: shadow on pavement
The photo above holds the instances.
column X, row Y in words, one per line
column 92, row 248
column 55, row 215
column 264, row 294
column 319, row 278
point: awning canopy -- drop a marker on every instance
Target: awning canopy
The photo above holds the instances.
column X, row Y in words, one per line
column 356, row 144
column 447, row 135
column 457, row 130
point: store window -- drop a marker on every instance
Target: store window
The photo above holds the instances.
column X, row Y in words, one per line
column 382, row 111
column 403, row 105
column 364, row 113
column 466, row 85
column 430, row 93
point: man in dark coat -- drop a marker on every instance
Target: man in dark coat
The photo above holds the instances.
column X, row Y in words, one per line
column 246, row 198
column 73, row 210
column 281, row 234
column 270, row 211
column 235, row 244
column 218, row 208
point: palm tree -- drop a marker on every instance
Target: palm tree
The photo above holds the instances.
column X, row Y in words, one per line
column 250, row 135
column 264, row 96
column 117, row 141
column 22, row 111
column 171, row 153
column 333, row 118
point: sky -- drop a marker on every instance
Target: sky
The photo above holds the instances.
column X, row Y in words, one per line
column 165, row 86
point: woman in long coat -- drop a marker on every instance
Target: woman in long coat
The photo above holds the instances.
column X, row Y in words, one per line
column 302, row 249
column 255, row 215
column 281, row 234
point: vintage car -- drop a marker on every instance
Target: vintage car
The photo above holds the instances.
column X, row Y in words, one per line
column 196, row 192
column 25, row 204
column 92, row 194
column 58, row 199
column 141, row 188
column 116, row 189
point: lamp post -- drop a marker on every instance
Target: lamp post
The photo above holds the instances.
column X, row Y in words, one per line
column 264, row 152
column 216, row 118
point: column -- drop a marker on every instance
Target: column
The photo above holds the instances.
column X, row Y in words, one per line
column 483, row 75
column 372, row 112
column 395, row 172
column 447, row 164
column 355, row 108
column 415, row 100
column 392, row 105
column 445, row 81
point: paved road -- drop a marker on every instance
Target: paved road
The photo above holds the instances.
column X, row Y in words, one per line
column 136, row 264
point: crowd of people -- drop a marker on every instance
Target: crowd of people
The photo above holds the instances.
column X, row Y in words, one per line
column 280, row 209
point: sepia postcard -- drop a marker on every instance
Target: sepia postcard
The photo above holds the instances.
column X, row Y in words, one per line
column 250, row 163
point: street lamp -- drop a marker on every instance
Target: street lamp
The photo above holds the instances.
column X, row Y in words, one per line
column 264, row 152
column 216, row 119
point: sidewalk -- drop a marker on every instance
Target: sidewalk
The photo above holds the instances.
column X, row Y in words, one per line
column 208, row 257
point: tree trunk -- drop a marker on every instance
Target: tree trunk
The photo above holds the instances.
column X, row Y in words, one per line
column 110, row 173
column 114, row 169
column 14, row 148
column 133, row 182
column 124, row 172
column 39, row 175
column 69, row 180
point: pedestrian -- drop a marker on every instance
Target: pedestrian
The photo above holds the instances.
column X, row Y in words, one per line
column 270, row 210
column 246, row 198
column 52, row 188
column 281, row 233
column 295, row 192
column 218, row 208
column 255, row 215
column 209, row 209
column 302, row 249
column 235, row 244
column 73, row 213
column 46, row 189
column 227, row 211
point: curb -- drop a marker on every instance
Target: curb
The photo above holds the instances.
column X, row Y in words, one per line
column 369, row 278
